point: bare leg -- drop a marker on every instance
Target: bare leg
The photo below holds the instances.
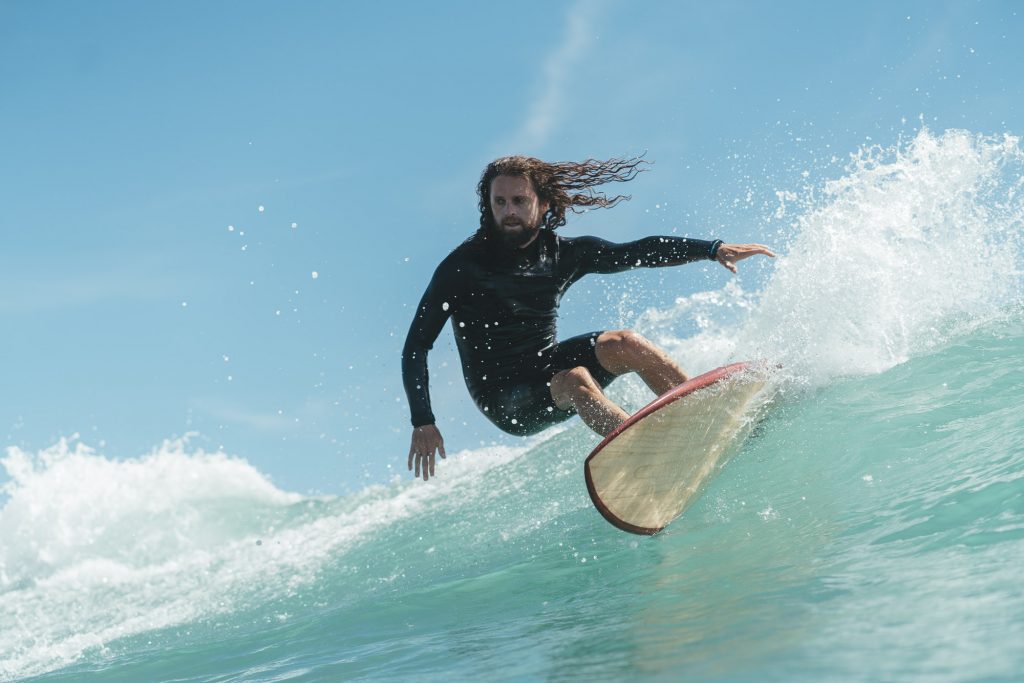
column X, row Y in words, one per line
column 577, row 389
column 622, row 351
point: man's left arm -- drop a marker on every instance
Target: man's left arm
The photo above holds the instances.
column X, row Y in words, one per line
column 601, row 256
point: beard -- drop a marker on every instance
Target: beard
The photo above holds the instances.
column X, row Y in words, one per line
column 514, row 235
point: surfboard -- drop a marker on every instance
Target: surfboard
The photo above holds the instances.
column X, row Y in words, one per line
column 647, row 471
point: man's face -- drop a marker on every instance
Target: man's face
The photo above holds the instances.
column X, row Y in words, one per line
column 517, row 210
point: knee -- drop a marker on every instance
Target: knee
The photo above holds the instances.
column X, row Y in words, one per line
column 573, row 379
column 572, row 384
column 619, row 345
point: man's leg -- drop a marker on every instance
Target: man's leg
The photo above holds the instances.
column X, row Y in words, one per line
column 622, row 351
column 577, row 389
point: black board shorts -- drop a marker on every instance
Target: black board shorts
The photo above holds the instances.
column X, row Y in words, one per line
column 525, row 406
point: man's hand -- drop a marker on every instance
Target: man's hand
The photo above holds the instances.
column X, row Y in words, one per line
column 729, row 254
column 425, row 440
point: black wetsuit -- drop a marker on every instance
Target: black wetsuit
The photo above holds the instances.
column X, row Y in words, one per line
column 503, row 303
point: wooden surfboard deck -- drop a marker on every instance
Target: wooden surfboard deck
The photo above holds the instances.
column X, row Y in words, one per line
column 646, row 472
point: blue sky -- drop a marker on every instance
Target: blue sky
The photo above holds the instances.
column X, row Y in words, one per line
column 217, row 216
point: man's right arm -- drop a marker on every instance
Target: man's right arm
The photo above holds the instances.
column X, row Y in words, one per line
column 431, row 314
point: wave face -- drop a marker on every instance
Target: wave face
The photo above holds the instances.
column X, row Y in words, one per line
column 871, row 529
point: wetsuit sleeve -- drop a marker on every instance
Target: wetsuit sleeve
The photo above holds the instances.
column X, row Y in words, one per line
column 596, row 255
column 432, row 313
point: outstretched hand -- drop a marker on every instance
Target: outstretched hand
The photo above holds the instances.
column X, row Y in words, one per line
column 729, row 254
column 425, row 441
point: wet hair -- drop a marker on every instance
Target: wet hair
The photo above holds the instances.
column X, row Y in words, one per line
column 563, row 185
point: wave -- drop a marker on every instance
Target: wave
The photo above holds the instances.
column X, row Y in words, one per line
column 93, row 549
column 911, row 261
column 913, row 246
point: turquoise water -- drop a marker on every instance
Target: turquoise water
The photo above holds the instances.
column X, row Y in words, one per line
column 871, row 529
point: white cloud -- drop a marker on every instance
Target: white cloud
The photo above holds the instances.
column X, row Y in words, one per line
column 550, row 107
column 279, row 421
column 258, row 421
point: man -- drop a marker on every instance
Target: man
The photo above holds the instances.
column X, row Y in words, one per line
column 502, row 286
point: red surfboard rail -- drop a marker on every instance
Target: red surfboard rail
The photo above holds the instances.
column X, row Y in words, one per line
column 684, row 389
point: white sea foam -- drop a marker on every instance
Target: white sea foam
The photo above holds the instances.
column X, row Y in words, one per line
column 68, row 504
column 94, row 549
column 913, row 244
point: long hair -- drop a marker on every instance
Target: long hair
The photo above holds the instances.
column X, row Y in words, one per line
column 563, row 185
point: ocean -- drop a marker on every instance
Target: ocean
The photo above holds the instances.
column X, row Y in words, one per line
column 870, row 529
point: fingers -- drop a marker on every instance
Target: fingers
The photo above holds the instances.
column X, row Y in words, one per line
column 729, row 254
column 754, row 249
column 422, row 463
column 425, row 464
column 743, row 251
column 414, row 458
column 425, row 441
column 727, row 261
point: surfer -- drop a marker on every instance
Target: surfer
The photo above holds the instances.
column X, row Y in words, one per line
column 502, row 286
